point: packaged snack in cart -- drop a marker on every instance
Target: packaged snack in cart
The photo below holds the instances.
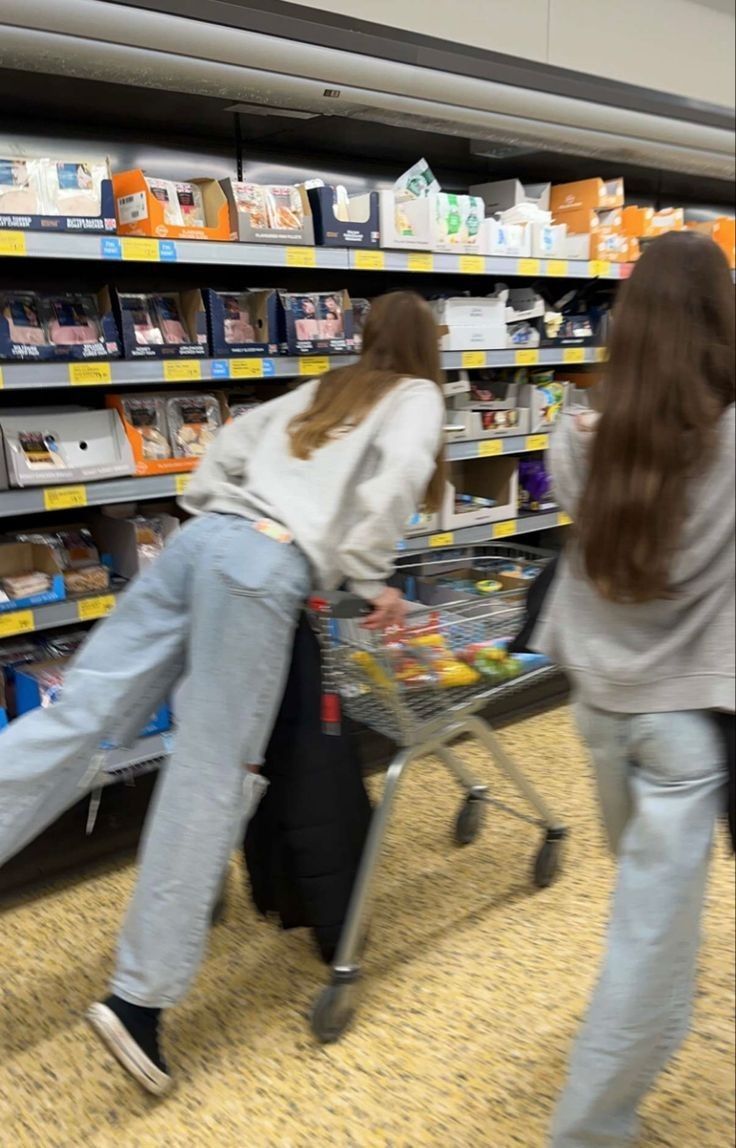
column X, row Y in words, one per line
column 72, row 319
column 24, row 315
column 20, row 187
column 147, row 415
column 193, row 422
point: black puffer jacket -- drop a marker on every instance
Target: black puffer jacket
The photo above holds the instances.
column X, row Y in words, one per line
column 304, row 844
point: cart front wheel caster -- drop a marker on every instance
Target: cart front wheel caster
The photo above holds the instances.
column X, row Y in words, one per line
column 333, row 1012
column 469, row 820
column 547, row 864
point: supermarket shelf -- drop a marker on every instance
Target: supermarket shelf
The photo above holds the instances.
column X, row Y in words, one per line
column 37, row 500
column 38, row 376
column 491, row 447
column 114, row 248
column 67, row 613
column 145, row 755
column 480, row 535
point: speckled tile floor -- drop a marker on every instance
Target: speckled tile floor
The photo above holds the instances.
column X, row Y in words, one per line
column 475, row 987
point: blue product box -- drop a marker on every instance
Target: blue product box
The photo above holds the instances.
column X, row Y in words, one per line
column 18, row 558
column 232, row 318
column 317, row 323
column 139, row 315
column 359, row 230
column 23, row 309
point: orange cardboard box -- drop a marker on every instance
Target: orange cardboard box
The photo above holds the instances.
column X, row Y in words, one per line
column 161, row 465
column 637, row 221
column 609, row 243
column 724, row 233
column 587, row 221
column 669, row 219
column 590, row 194
column 140, row 212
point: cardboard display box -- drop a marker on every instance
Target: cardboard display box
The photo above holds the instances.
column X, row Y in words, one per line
column 231, row 316
column 118, row 539
column 152, row 421
column 513, row 240
column 471, row 323
column 105, row 348
column 492, row 478
column 24, row 558
column 436, row 222
column 548, row 240
column 505, row 193
column 317, row 323
column 486, row 420
column 56, row 195
column 133, row 311
column 268, row 213
column 423, row 522
column 140, row 212
column 360, row 229
column 44, row 448
column 587, row 194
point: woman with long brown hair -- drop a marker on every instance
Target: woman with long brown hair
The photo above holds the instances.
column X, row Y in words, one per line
column 641, row 615
column 310, row 490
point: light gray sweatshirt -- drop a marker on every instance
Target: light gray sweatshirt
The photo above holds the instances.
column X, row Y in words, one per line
column 348, row 505
column 669, row 654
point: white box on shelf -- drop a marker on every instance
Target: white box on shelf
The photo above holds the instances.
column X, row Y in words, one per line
column 548, row 240
column 404, row 223
column 544, row 409
column 468, row 424
column 523, row 304
column 118, row 538
column 464, row 311
column 57, row 447
column 439, row 222
column 489, row 478
column 511, row 240
column 505, row 193
column 577, row 246
column 463, row 337
column 451, row 387
column 423, row 522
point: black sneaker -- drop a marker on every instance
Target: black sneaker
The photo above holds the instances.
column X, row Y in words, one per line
column 131, row 1034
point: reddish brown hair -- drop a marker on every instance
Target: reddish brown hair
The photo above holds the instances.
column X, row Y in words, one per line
column 400, row 341
column 670, row 376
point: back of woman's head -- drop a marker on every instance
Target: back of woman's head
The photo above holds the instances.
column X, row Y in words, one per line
column 670, row 375
column 400, row 341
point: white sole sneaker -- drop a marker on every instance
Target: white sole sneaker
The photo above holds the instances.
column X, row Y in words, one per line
column 126, row 1051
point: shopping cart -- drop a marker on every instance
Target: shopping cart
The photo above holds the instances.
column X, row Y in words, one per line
column 423, row 690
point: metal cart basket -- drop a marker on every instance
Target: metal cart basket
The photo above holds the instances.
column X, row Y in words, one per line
column 423, row 688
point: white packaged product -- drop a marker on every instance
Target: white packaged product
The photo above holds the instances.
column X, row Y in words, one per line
column 147, row 414
column 164, row 190
column 191, row 204
column 193, row 422
column 20, row 187
column 73, row 188
column 416, row 182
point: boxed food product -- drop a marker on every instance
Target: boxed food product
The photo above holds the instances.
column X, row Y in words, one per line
column 668, row 219
column 169, row 325
column 167, row 433
column 545, row 398
column 30, row 576
column 243, row 323
column 637, row 221
column 487, row 420
column 134, row 543
column 268, row 213
column 437, row 222
column 548, row 240
column 513, row 240
column 587, row 194
column 171, row 209
column 57, row 328
column 502, row 194
column 535, row 486
column 471, row 323
column 341, row 220
column 44, row 447
column 422, row 522
column 482, row 490
column 317, row 322
column 42, row 683
column 56, row 195
column 193, row 422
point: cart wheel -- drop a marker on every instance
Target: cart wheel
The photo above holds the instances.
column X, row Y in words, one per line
column 333, row 1013
column 469, row 820
column 547, row 864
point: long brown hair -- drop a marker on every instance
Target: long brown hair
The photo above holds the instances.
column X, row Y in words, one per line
column 670, row 376
column 400, row 341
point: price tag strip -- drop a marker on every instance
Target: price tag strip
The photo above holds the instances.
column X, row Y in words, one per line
column 88, row 609
column 64, row 497
column 16, row 622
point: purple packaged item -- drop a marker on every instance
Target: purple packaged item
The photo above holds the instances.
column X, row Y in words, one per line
column 535, row 487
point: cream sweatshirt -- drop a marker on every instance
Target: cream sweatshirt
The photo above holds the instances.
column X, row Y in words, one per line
column 673, row 653
column 348, row 505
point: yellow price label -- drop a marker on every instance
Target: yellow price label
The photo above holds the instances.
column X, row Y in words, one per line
column 537, row 442
column 181, row 482
column 600, row 268
column 601, row 354
column 490, row 448
column 16, row 622
column 301, row 257
column 141, row 250
column 557, row 267
column 420, row 261
column 89, row 374
column 12, row 243
column 573, row 355
column 64, row 497
column 246, row 368
column 369, row 260
column 471, row 360
column 504, row 529
column 529, row 267
column 472, row 265
column 564, row 519
column 90, row 608
column 526, row 358
column 316, row 365
column 2, row 381
column 441, row 539
column 182, row 370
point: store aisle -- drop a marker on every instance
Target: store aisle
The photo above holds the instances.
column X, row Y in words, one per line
column 475, row 988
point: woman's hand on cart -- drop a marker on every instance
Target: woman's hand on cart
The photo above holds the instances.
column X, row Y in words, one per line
column 388, row 609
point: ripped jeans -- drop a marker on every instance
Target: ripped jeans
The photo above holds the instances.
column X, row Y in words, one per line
column 218, row 608
column 660, row 780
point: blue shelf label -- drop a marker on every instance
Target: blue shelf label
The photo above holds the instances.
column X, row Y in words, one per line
column 167, row 251
column 111, row 248
column 220, row 369
column 269, row 369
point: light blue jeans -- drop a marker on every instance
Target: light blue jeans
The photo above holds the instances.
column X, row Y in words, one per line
column 660, row 780
column 218, row 608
